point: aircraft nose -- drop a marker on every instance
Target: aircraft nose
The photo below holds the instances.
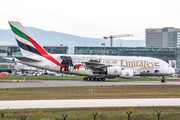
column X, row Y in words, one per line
column 172, row 70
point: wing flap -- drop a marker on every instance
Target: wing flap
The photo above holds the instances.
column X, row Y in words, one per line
column 95, row 67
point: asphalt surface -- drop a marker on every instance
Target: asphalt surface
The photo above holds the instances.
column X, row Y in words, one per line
column 57, row 83
column 74, row 103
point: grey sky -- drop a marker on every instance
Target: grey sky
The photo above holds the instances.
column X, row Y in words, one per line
column 92, row 18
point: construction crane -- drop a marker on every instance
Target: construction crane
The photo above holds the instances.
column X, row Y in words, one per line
column 116, row 36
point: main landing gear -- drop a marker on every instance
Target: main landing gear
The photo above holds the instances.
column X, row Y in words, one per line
column 163, row 80
column 94, row 79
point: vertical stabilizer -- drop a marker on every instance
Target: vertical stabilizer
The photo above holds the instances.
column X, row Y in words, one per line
column 27, row 44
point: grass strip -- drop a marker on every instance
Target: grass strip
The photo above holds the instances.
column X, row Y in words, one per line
column 91, row 92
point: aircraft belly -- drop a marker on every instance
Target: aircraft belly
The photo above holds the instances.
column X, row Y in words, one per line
column 155, row 74
column 81, row 72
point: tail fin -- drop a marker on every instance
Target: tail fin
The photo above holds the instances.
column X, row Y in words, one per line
column 27, row 44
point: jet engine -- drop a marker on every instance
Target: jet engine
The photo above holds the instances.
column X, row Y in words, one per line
column 117, row 71
column 126, row 74
column 114, row 71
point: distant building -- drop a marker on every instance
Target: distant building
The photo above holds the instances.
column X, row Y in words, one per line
column 162, row 37
column 8, row 51
column 167, row 54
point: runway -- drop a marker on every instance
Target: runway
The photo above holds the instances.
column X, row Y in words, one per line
column 75, row 103
column 57, row 83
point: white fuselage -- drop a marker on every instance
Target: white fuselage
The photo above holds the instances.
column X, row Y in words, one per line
column 142, row 66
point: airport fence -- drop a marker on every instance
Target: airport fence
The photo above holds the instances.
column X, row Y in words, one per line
column 95, row 116
column 107, row 118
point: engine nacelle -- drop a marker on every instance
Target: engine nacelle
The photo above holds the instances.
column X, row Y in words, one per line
column 126, row 74
column 114, row 71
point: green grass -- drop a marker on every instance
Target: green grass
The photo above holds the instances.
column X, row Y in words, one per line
column 82, row 92
column 42, row 78
column 109, row 113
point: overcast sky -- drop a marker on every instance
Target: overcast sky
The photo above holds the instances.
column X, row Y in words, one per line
column 92, row 18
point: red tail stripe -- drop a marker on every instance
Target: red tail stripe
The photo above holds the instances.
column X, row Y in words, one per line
column 44, row 53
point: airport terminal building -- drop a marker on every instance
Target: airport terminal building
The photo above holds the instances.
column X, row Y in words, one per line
column 169, row 55
column 9, row 51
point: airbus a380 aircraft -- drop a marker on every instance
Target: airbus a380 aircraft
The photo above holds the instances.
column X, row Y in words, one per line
column 95, row 67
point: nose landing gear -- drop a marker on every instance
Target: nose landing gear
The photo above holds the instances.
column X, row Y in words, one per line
column 163, row 80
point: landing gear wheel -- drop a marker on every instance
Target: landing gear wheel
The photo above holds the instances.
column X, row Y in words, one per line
column 163, row 80
column 103, row 79
column 93, row 79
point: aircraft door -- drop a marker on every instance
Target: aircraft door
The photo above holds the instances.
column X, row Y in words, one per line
column 156, row 68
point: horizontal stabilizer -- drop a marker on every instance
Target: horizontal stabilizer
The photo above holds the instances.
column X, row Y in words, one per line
column 26, row 59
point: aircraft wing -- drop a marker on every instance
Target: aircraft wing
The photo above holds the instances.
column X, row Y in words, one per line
column 96, row 67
